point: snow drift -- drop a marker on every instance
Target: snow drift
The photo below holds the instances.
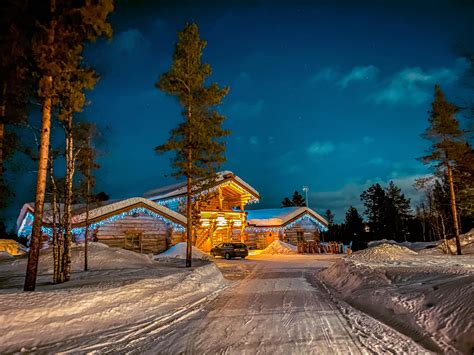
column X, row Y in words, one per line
column 178, row 251
column 12, row 247
column 279, row 247
column 100, row 257
column 429, row 298
column 121, row 288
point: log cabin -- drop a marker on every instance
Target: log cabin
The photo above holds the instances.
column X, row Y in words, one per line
column 155, row 222
column 136, row 224
column 223, row 216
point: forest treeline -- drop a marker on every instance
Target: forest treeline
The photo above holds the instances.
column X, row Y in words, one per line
column 447, row 206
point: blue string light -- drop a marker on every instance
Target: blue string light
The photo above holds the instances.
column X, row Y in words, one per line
column 305, row 217
column 26, row 232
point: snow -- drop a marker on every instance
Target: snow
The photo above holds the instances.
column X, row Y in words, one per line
column 179, row 189
column 429, row 298
column 276, row 307
column 12, row 247
column 276, row 217
column 279, row 247
column 416, row 246
column 178, row 251
column 123, row 289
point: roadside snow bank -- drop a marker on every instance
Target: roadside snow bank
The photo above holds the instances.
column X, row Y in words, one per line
column 124, row 292
column 279, row 247
column 415, row 246
column 429, row 298
column 12, row 247
column 178, row 251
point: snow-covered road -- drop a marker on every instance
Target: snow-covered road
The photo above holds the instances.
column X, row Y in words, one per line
column 272, row 304
column 276, row 305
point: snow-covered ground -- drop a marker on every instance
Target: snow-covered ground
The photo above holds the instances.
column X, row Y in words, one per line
column 427, row 297
column 178, row 251
column 124, row 295
column 11, row 247
column 279, row 247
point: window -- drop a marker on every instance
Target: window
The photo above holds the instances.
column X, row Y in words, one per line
column 299, row 236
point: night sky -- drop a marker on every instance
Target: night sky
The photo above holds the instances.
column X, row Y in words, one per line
column 331, row 95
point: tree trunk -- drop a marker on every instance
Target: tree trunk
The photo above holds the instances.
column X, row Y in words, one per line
column 35, row 243
column 3, row 113
column 453, row 209
column 68, row 202
column 189, row 222
column 56, row 242
column 86, row 233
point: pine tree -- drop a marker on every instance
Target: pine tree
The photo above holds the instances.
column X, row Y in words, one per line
column 197, row 141
column 86, row 165
column 17, row 79
column 397, row 212
column 329, row 217
column 447, row 145
column 298, row 199
column 287, row 202
column 353, row 225
column 375, row 204
column 57, row 49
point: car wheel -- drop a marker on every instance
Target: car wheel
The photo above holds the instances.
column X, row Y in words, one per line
column 243, row 257
column 227, row 256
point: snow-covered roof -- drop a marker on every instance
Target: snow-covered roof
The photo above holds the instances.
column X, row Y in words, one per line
column 278, row 217
column 179, row 189
column 106, row 209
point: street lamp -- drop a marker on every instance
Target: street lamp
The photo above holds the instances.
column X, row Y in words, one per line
column 306, row 189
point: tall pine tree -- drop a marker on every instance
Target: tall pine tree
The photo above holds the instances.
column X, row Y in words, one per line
column 57, row 50
column 197, row 141
column 448, row 145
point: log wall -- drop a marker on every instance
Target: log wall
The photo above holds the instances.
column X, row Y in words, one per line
column 141, row 234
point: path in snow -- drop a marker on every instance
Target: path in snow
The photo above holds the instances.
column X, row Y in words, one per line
column 275, row 306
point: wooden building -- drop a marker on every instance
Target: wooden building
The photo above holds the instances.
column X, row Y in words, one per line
column 289, row 224
column 222, row 215
column 153, row 223
column 135, row 224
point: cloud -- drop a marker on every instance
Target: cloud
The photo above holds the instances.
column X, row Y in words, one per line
column 128, row 41
column 326, row 74
column 245, row 109
column 358, row 74
column 338, row 201
column 415, row 86
column 321, row 148
column 368, row 140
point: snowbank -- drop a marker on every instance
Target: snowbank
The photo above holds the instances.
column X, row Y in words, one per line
column 100, row 257
column 382, row 252
column 124, row 294
column 279, row 247
column 12, row 247
column 467, row 245
column 178, row 251
column 428, row 298
column 416, row 246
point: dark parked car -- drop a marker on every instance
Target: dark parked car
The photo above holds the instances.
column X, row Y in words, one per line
column 230, row 250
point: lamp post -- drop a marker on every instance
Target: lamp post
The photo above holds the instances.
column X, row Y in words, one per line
column 306, row 189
